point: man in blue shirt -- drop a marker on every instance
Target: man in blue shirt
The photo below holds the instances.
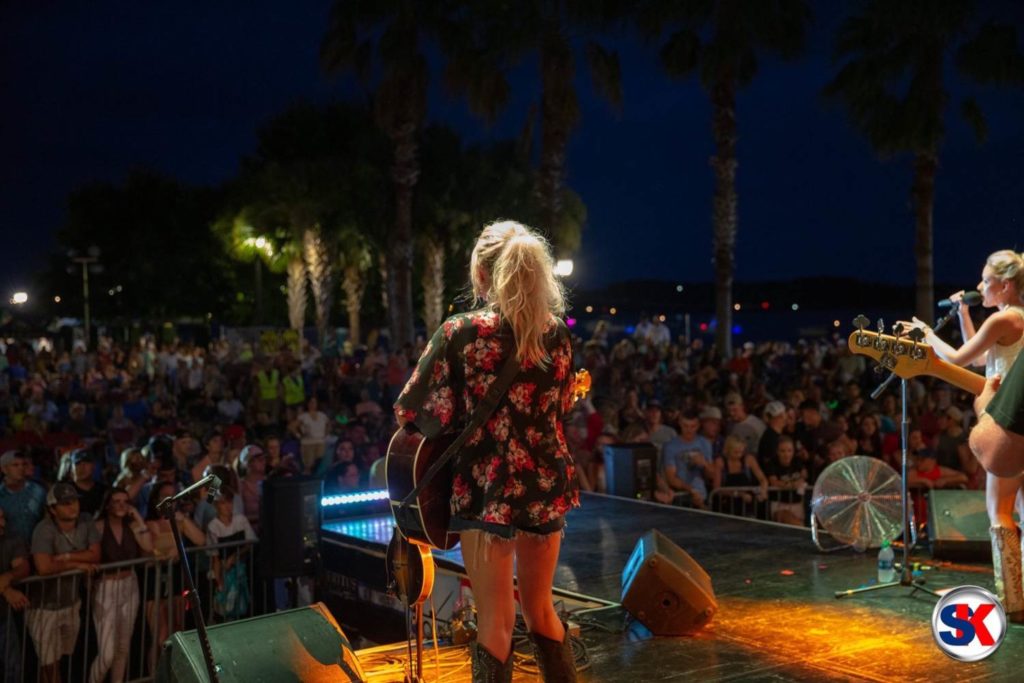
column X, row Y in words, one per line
column 21, row 499
column 686, row 461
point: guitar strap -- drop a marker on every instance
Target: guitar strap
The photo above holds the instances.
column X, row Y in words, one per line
column 484, row 408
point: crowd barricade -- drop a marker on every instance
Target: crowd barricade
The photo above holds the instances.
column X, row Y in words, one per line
column 150, row 588
column 784, row 505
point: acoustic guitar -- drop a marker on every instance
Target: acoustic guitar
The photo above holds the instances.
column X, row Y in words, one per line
column 409, row 456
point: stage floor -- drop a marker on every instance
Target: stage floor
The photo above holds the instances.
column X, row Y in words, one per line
column 778, row 619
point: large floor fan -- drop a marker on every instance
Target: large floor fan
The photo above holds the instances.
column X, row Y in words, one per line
column 856, row 501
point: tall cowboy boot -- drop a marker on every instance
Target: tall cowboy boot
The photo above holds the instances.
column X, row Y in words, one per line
column 555, row 659
column 1006, row 562
column 487, row 668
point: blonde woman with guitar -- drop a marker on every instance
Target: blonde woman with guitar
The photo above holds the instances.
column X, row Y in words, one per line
column 513, row 479
column 995, row 345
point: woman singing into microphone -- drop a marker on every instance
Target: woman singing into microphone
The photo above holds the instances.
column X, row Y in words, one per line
column 514, row 480
column 996, row 345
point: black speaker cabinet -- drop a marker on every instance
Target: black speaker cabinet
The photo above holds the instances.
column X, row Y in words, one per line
column 631, row 470
column 665, row 589
column 290, row 517
column 958, row 525
column 300, row 645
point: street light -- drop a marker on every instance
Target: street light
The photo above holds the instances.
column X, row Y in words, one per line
column 88, row 263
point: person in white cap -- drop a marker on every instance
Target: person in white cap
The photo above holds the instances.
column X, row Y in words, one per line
column 775, row 421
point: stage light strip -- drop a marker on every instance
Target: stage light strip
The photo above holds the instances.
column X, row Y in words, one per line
column 350, row 498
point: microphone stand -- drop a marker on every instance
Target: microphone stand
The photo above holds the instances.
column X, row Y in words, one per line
column 168, row 508
column 909, row 531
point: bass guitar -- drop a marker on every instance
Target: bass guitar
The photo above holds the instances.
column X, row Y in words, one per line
column 425, row 520
column 908, row 358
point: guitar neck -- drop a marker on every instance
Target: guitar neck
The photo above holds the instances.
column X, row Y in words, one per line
column 957, row 376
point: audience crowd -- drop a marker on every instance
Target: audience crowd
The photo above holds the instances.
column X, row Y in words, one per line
column 91, row 441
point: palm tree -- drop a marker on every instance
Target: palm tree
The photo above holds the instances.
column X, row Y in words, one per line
column 356, row 259
column 396, row 30
column 268, row 245
column 720, row 41
column 892, row 83
column 321, row 277
column 503, row 33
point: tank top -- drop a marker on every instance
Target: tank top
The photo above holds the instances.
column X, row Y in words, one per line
column 112, row 551
column 999, row 358
column 745, row 477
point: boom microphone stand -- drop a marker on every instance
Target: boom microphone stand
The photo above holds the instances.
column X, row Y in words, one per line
column 909, row 532
column 168, row 508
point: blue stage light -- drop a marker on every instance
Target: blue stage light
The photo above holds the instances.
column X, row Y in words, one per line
column 352, row 498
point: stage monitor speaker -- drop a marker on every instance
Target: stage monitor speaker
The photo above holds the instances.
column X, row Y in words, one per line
column 303, row 644
column 290, row 518
column 665, row 589
column 630, row 470
column 958, row 525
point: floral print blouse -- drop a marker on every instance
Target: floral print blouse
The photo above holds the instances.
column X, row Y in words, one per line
column 516, row 470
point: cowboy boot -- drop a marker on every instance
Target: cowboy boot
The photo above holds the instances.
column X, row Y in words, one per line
column 1006, row 563
column 555, row 659
column 487, row 668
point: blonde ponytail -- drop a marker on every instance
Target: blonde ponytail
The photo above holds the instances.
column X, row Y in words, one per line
column 512, row 269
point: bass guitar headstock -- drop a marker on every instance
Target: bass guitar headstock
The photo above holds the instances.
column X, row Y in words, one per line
column 902, row 354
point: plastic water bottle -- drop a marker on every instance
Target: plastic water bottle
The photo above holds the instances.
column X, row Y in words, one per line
column 886, row 564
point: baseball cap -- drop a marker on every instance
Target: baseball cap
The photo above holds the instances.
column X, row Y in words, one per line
column 61, row 492
column 159, row 446
column 810, row 404
column 711, row 413
column 248, row 453
column 774, row 409
column 9, row 457
column 79, row 455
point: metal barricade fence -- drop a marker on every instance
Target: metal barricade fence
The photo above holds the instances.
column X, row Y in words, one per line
column 79, row 627
column 775, row 503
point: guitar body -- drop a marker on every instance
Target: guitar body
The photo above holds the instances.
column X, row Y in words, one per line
column 425, row 521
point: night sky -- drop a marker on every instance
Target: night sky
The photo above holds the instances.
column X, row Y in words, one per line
column 93, row 89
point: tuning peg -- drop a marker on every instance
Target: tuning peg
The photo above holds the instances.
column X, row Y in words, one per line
column 881, row 326
column 917, row 334
column 897, row 329
column 861, row 321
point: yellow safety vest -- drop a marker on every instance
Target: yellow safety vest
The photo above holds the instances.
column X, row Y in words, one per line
column 268, row 385
column 294, row 392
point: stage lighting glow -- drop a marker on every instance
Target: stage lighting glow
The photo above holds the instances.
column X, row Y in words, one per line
column 351, row 498
column 736, row 307
column 563, row 267
column 19, row 297
column 679, row 288
column 795, row 307
column 613, row 310
column 571, row 322
column 589, row 309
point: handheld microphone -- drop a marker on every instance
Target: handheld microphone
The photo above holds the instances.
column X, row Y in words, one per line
column 972, row 298
column 214, row 490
